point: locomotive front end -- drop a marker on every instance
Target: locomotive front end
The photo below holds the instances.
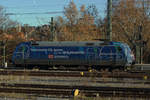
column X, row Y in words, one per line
column 129, row 56
column 20, row 53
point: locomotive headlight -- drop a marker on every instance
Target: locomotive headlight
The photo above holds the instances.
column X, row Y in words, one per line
column 133, row 58
column 132, row 55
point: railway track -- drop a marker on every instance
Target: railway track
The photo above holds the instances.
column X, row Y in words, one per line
column 48, row 69
column 75, row 74
column 68, row 91
column 134, row 68
column 137, row 68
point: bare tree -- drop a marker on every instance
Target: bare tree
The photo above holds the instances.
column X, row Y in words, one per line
column 5, row 22
column 79, row 25
column 131, row 22
column 3, row 17
column 71, row 13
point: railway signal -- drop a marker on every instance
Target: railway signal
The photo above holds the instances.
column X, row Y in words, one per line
column 52, row 29
column 3, row 52
column 139, row 46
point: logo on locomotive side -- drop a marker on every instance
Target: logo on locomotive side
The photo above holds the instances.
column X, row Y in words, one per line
column 50, row 56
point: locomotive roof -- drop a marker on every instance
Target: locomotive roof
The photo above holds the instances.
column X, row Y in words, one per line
column 71, row 43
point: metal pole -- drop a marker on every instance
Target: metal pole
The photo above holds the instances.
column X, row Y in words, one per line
column 137, row 53
column 141, row 44
column 4, row 55
column 141, row 54
column 109, row 19
column 52, row 29
column 1, row 48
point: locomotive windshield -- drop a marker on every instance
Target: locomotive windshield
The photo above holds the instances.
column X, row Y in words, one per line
column 21, row 49
column 119, row 49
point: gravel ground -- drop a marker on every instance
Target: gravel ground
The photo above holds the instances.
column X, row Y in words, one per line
column 75, row 98
column 74, row 81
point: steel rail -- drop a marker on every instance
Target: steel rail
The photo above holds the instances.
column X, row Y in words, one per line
column 65, row 90
column 75, row 74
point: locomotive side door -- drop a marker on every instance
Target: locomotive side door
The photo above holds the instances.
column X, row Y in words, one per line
column 106, row 56
column 119, row 56
column 92, row 55
column 21, row 54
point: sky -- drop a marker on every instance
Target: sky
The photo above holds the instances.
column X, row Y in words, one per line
column 20, row 8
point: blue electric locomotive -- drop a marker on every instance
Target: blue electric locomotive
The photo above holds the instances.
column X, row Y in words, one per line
column 67, row 53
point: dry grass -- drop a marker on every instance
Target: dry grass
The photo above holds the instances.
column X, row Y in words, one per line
column 91, row 81
column 80, row 97
column 73, row 81
column 12, row 78
column 108, row 98
column 16, row 96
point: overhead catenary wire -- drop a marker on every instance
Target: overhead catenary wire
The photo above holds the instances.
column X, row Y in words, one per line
column 36, row 13
column 38, row 6
column 33, row 13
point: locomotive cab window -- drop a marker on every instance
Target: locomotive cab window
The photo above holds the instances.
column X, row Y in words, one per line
column 21, row 49
column 119, row 49
column 106, row 49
